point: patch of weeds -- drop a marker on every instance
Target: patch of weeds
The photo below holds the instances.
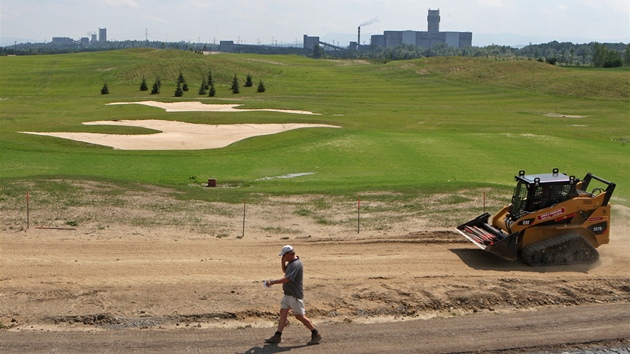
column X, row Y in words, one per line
column 222, row 235
column 72, row 223
column 323, row 221
column 280, row 230
column 455, row 199
column 321, row 204
column 412, row 206
column 382, row 227
column 303, row 212
column 221, row 211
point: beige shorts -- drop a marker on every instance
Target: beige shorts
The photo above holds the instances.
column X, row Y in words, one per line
column 295, row 304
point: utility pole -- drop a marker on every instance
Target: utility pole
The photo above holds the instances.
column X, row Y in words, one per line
column 146, row 34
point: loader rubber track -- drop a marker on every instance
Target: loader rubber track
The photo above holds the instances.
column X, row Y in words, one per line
column 570, row 248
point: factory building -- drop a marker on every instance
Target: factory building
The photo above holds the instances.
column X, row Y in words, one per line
column 102, row 34
column 310, row 42
column 424, row 39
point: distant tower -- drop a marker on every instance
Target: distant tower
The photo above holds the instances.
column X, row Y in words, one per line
column 93, row 38
column 102, row 34
column 434, row 21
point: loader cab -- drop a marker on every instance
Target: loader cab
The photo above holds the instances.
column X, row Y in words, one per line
column 535, row 192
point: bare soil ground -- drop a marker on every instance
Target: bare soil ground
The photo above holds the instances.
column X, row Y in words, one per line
column 145, row 260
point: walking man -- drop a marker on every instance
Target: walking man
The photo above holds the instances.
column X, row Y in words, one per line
column 293, row 298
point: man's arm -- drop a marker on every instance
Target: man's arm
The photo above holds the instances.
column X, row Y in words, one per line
column 278, row 281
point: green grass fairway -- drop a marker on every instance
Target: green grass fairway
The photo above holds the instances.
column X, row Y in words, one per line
column 421, row 126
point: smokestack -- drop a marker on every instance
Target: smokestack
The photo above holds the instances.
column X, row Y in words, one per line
column 359, row 38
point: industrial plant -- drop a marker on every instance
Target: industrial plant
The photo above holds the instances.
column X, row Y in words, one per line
column 102, row 38
column 424, row 39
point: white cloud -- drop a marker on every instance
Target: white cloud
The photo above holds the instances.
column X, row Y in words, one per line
column 491, row 3
column 120, row 3
column 153, row 18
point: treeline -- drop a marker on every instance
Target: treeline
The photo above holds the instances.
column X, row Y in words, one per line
column 65, row 48
column 560, row 53
column 591, row 54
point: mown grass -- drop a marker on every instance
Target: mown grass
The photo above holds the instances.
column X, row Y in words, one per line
column 428, row 125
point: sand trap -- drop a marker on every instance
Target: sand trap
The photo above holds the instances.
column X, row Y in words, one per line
column 183, row 136
column 200, row 107
column 178, row 135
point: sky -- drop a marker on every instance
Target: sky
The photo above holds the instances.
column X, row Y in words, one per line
column 283, row 22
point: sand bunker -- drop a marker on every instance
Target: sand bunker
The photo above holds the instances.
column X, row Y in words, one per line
column 183, row 136
column 558, row 115
column 200, row 107
column 178, row 135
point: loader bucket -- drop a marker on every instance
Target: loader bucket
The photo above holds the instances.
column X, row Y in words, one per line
column 489, row 238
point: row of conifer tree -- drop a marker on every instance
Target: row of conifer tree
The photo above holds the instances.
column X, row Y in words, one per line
column 206, row 87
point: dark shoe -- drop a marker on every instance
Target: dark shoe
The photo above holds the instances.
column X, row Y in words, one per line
column 274, row 339
column 315, row 338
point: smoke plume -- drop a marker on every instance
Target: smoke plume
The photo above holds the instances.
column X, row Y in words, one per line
column 368, row 22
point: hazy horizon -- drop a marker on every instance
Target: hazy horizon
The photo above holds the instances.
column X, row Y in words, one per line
column 282, row 22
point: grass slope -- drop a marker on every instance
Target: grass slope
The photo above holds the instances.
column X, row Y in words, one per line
column 437, row 124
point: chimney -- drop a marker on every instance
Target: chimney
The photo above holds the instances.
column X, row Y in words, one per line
column 359, row 37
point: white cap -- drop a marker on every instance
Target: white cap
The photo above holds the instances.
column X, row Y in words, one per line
column 286, row 249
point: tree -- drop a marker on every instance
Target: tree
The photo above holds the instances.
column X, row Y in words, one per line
column 178, row 91
column 156, row 86
column 105, row 89
column 235, row 86
column 599, row 55
column 185, row 87
column 606, row 58
column 248, row 81
column 210, row 80
column 204, row 87
column 626, row 56
column 143, row 85
column 551, row 60
column 211, row 91
column 613, row 59
column 261, row 87
column 180, row 78
column 318, row 51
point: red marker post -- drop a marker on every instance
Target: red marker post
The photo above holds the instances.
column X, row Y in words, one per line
column 28, row 212
column 244, row 204
column 358, row 214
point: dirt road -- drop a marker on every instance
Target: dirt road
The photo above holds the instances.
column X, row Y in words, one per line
column 550, row 329
column 136, row 287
